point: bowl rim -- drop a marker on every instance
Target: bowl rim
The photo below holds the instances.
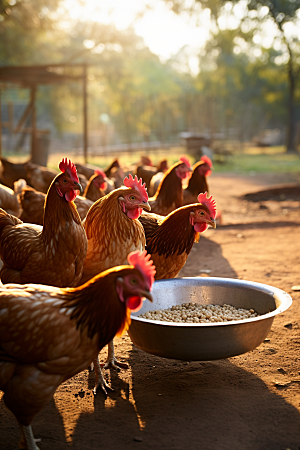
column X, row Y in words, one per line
column 285, row 298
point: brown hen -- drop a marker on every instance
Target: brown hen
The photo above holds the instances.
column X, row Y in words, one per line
column 48, row 334
column 32, row 201
column 39, row 177
column 198, row 181
column 169, row 195
column 170, row 239
column 147, row 172
column 9, row 198
column 11, row 172
column 52, row 254
column 96, row 186
column 113, row 231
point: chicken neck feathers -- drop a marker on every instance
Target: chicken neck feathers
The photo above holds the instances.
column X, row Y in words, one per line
column 169, row 192
column 197, row 182
column 171, row 236
column 100, row 291
column 111, row 234
column 91, row 191
column 57, row 211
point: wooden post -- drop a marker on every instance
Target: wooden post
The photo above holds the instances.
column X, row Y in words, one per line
column 27, row 111
column 10, row 106
column 85, row 124
column 0, row 128
column 33, row 120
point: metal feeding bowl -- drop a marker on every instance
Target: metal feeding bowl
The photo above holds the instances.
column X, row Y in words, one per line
column 207, row 341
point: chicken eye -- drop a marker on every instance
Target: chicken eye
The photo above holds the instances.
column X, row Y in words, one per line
column 201, row 213
column 133, row 281
column 65, row 180
column 132, row 197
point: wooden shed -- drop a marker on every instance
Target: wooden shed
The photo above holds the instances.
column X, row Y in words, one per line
column 33, row 76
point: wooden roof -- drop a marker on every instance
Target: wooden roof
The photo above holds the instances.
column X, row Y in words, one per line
column 41, row 75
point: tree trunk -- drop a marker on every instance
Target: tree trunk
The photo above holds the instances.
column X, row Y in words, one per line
column 291, row 131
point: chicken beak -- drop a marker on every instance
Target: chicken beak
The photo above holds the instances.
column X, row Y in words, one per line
column 212, row 223
column 79, row 187
column 147, row 294
column 145, row 205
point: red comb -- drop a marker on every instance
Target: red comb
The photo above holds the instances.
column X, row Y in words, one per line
column 210, row 202
column 206, row 159
column 185, row 160
column 141, row 262
column 136, row 184
column 100, row 172
column 69, row 167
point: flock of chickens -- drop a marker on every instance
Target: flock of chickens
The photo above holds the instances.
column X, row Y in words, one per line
column 75, row 266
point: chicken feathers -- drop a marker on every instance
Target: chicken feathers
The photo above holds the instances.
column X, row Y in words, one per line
column 169, row 194
column 52, row 254
column 48, row 334
column 169, row 240
column 111, row 234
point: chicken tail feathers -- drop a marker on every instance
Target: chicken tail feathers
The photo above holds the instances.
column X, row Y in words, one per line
column 5, row 357
column 19, row 185
column 9, row 275
column 7, row 219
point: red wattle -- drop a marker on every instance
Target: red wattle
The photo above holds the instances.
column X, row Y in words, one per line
column 70, row 196
column 200, row 227
column 134, row 213
column 182, row 175
column 134, row 303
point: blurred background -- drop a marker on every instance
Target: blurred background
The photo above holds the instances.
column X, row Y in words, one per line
column 105, row 78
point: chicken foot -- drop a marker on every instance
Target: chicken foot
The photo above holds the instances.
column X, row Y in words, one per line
column 100, row 380
column 111, row 361
column 28, row 442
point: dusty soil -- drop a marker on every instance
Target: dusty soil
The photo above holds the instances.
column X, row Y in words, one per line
column 248, row 402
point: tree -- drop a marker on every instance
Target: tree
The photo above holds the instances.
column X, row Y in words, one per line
column 283, row 13
column 249, row 93
column 24, row 27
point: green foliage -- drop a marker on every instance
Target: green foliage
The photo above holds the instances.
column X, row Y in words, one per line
column 260, row 163
column 269, row 86
column 135, row 88
column 144, row 98
column 282, row 11
column 24, row 31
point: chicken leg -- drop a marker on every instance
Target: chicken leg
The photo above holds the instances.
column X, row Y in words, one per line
column 111, row 361
column 100, row 380
column 28, row 442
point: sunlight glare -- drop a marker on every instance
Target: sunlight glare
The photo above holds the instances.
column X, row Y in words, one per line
column 119, row 12
column 291, row 30
column 164, row 32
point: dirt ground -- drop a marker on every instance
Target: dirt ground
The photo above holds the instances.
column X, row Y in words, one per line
column 248, row 402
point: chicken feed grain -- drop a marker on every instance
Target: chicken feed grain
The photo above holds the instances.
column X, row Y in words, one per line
column 195, row 313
